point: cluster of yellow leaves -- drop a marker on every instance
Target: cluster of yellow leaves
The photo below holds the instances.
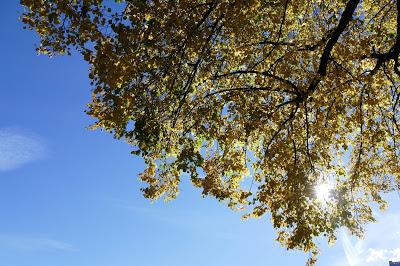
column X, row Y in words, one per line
column 255, row 100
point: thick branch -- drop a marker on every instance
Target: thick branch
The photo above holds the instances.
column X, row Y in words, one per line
column 393, row 53
column 343, row 22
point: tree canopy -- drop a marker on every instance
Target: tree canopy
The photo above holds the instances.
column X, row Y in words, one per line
column 256, row 101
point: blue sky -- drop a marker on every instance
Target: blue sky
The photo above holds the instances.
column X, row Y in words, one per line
column 70, row 196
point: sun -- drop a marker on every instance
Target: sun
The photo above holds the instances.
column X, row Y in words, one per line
column 323, row 192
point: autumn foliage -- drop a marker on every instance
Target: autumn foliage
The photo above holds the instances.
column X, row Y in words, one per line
column 258, row 101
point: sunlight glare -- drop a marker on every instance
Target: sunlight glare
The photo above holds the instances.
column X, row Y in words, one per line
column 323, row 192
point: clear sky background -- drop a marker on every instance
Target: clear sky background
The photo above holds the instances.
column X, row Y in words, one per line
column 70, row 196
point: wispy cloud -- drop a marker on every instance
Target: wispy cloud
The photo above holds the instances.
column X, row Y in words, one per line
column 33, row 244
column 18, row 148
column 382, row 255
column 381, row 243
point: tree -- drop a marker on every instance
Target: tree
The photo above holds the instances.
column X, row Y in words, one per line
column 258, row 101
